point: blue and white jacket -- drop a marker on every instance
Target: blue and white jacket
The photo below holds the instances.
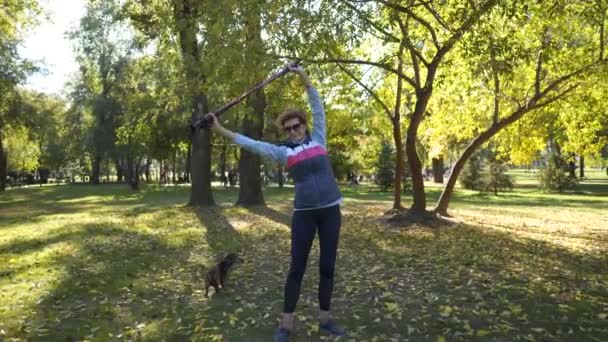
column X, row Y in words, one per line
column 307, row 162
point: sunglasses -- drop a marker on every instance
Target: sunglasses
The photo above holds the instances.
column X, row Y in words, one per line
column 292, row 127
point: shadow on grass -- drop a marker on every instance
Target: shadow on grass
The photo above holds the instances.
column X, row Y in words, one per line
column 115, row 280
column 470, row 282
column 221, row 236
column 279, row 217
column 35, row 204
column 515, row 199
column 16, row 205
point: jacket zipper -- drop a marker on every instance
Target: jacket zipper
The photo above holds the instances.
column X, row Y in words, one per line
column 314, row 178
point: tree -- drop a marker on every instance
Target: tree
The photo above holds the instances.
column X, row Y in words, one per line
column 13, row 69
column 420, row 34
column 385, row 167
column 186, row 14
column 9, row 110
column 102, row 52
column 23, row 153
column 549, row 58
column 77, row 126
column 177, row 27
column 136, row 97
column 438, row 169
column 471, row 174
column 42, row 115
column 553, row 176
column 250, row 188
column 494, row 177
column 581, row 117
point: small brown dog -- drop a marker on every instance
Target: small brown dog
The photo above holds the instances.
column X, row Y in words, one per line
column 217, row 275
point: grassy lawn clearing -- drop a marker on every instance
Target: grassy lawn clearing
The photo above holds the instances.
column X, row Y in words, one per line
column 102, row 263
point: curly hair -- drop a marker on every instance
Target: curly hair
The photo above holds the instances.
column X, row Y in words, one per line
column 291, row 113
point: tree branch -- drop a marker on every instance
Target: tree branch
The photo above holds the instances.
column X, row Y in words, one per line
column 553, row 85
column 397, row 116
column 372, row 23
column 602, row 12
column 466, row 26
column 512, row 98
column 555, row 98
column 356, row 61
column 535, row 103
column 436, row 15
column 537, row 74
column 539, row 61
column 370, row 91
column 496, row 89
column 414, row 16
column 416, row 55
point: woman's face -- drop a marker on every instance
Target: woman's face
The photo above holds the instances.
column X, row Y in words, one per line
column 294, row 129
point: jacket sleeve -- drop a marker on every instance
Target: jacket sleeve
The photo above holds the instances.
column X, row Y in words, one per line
column 318, row 116
column 277, row 153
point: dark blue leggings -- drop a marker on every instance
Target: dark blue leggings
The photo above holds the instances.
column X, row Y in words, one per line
column 304, row 225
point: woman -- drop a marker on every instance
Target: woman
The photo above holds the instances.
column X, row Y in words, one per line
column 316, row 204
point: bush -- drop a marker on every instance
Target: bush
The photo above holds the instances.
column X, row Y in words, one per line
column 495, row 179
column 470, row 176
column 385, row 167
column 554, row 176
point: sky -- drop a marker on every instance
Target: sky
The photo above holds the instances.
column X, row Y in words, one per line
column 47, row 43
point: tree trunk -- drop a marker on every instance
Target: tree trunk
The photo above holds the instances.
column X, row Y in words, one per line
column 280, row 179
column 3, row 166
column 200, row 190
column 398, row 139
column 174, row 169
column 602, row 11
column 132, row 173
column 250, row 184
column 161, row 172
column 147, row 170
column 250, row 181
column 581, row 174
column 223, row 176
column 187, row 166
column 438, row 170
column 399, row 165
column 43, row 175
column 186, row 24
column 119, row 170
column 419, row 205
column 572, row 168
column 444, row 200
column 95, row 169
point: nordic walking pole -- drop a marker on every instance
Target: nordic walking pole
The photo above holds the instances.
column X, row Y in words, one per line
column 205, row 121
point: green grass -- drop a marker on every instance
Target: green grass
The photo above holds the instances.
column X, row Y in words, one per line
column 107, row 264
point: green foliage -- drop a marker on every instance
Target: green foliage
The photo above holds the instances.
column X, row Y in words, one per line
column 471, row 175
column 23, row 153
column 340, row 164
column 385, row 167
column 583, row 116
column 16, row 18
column 485, row 172
column 554, row 176
column 494, row 177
